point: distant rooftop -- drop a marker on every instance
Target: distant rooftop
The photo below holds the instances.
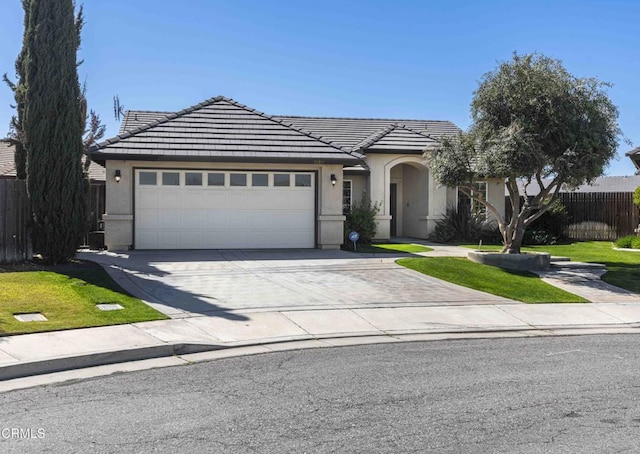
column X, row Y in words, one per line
column 602, row 184
column 8, row 168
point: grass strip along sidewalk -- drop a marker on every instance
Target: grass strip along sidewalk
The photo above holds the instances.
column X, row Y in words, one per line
column 68, row 298
column 388, row 248
column 517, row 285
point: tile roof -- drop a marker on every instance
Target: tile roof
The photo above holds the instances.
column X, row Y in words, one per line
column 219, row 129
column 350, row 133
column 138, row 118
column 395, row 138
column 8, row 168
column 6, row 159
column 635, row 151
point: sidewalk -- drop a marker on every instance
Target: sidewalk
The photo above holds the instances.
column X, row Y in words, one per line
column 42, row 353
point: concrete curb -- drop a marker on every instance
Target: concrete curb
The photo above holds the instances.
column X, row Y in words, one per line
column 84, row 361
column 51, row 365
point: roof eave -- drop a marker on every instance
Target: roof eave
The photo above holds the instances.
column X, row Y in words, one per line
column 101, row 157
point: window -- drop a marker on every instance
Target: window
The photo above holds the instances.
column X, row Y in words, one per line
column 238, row 179
column 281, row 179
column 148, row 178
column 215, row 179
column 303, row 180
column 259, row 179
column 170, row 179
column 193, row 179
column 475, row 207
column 346, row 196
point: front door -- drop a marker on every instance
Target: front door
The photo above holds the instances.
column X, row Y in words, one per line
column 393, row 207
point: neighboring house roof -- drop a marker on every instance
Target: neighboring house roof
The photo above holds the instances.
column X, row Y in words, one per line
column 634, row 155
column 355, row 134
column 6, row 159
column 635, row 151
column 8, row 168
column 601, row 184
column 219, row 129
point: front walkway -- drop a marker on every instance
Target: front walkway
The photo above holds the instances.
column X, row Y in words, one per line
column 582, row 279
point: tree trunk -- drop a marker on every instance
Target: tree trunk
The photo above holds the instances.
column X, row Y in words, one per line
column 516, row 239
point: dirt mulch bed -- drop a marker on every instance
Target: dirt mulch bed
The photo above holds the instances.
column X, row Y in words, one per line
column 37, row 265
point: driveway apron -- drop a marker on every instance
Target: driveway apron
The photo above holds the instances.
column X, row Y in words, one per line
column 191, row 283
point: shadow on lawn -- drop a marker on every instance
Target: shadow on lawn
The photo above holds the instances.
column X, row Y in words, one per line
column 158, row 292
column 139, row 285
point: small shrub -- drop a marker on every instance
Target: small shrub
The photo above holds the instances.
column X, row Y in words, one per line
column 625, row 241
column 538, row 237
column 548, row 228
column 635, row 243
column 636, row 197
column 362, row 219
column 463, row 225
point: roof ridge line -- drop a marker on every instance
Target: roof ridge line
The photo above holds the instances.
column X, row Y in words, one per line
column 374, row 137
column 156, row 122
column 231, row 101
column 396, row 120
column 424, row 134
column 293, row 128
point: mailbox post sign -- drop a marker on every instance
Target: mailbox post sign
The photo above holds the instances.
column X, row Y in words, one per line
column 354, row 237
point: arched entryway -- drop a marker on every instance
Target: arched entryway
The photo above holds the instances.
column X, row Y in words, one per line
column 408, row 197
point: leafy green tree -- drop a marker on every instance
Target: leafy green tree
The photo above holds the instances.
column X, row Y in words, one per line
column 53, row 126
column 532, row 122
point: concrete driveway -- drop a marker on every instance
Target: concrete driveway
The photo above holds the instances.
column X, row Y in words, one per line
column 228, row 282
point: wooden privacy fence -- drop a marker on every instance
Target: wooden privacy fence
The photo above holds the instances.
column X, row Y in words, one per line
column 599, row 215
column 15, row 237
column 595, row 215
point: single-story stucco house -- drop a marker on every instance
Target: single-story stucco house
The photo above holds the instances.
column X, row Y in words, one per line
column 221, row 175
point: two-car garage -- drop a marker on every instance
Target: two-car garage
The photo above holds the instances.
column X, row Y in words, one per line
column 221, row 175
column 224, row 209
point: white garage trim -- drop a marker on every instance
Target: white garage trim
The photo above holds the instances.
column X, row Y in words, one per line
column 224, row 209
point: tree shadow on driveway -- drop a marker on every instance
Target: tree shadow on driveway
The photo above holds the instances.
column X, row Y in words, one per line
column 140, row 276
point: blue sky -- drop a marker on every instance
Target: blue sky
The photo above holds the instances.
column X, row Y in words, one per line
column 386, row 59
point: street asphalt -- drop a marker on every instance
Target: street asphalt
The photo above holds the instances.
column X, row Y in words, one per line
column 540, row 395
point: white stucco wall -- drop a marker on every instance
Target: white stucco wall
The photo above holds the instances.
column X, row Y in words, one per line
column 417, row 219
column 495, row 195
column 119, row 216
column 359, row 186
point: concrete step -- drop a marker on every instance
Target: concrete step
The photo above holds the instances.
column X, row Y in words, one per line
column 576, row 265
column 555, row 258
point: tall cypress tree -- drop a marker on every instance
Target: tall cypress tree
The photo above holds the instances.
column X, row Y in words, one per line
column 16, row 135
column 53, row 127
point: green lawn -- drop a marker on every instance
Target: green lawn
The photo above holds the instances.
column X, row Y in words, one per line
column 623, row 267
column 521, row 286
column 67, row 300
column 390, row 248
